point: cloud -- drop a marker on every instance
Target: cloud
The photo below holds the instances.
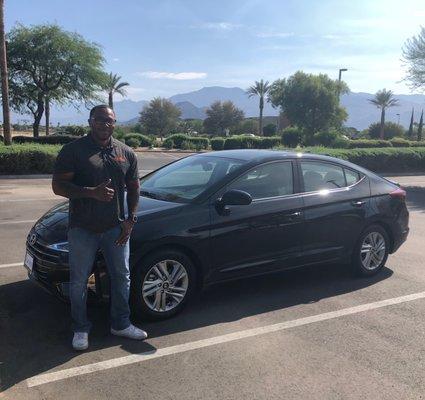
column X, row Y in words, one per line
column 115, row 59
column 134, row 90
column 180, row 76
column 219, row 26
column 275, row 34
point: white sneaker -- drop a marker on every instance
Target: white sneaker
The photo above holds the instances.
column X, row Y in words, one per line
column 80, row 341
column 132, row 332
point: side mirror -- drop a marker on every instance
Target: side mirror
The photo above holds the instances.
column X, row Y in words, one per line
column 235, row 198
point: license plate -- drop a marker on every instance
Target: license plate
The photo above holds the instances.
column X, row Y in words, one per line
column 29, row 261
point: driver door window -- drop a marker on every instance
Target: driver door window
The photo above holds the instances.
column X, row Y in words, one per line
column 265, row 181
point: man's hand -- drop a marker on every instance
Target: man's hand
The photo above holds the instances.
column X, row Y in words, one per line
column 126, row 228
column 102, row 192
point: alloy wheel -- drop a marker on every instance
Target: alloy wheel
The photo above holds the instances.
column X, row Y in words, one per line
column 372, row 252
column 165, row 285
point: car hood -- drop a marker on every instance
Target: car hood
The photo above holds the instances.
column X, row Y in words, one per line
column 56, row 219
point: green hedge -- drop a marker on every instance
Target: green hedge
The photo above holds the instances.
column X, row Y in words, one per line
column 251, row 142
column 368, row 143
column 142, row 140
column 74, row 130
column 217, row 143
column 185, row 142
column 28, row 158
column 52, row 139
column 380, row 160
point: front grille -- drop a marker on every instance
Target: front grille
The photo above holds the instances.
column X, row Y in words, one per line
column 44, row 255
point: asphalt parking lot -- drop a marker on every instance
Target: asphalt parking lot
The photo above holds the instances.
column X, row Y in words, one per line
column 315, row 333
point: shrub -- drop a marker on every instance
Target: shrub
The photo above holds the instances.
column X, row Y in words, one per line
column 269, row 130
column 53, row 139
column 168, row 143
column 364, row 143
column 200, row 143
column 186, row 145
column 178, row 138
column 380, row 160
column 291, row 137
column 417, row 144
column 242, row 142
column 191, row 143
column 341, row 143
column 269, row 142
column 400, row 142
column 144, row 141
column 73, row 130
column 132, row 142
column 28, row 158
column 326, row 138
column 390, row 130
column 217, row 143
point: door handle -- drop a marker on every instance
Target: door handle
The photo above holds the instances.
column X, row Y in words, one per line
column 293, row 215
column 358, row 203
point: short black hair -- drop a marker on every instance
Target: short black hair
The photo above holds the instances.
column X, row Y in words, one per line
column 98, row 107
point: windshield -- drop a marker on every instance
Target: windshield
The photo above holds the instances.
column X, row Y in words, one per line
column 186, row 179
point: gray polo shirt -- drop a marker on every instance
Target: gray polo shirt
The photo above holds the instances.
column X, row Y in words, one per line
column 91, row 166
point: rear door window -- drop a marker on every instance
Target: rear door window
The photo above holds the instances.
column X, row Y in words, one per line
column 351, row 176
column 320, row 176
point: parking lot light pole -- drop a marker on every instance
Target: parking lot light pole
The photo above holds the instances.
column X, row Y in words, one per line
column 341, row 70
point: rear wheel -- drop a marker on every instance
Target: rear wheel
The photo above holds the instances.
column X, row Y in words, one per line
column 371, row 251
column 162, row 284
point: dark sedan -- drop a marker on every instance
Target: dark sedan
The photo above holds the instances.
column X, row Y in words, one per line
column 225, row 215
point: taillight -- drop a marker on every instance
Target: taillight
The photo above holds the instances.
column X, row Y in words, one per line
column 399, row 193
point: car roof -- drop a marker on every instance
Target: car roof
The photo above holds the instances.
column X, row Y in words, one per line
column 258, row 156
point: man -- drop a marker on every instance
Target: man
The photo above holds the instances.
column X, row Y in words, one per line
column 92, row 173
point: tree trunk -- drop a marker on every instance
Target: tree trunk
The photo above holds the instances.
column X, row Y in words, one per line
column 4, row 80
column 38, row 115
column 110, row 100
column 47, row 108
column 260, row 122
column 381, row 130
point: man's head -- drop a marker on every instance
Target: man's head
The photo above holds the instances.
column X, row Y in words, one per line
column 102, row 122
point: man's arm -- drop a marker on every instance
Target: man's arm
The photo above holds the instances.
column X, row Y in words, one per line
column 133, row 194
column 62, row 186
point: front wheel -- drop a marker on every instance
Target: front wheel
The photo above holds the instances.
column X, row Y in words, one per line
column 162, row 284
column 371, row 251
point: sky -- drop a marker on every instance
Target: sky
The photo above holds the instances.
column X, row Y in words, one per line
column 166, row 47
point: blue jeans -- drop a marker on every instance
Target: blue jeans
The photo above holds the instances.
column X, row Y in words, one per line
column 83, row 246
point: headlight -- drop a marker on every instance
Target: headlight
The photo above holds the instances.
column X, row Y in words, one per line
column 62, row 246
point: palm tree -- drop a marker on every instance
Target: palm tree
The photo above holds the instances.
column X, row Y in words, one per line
column 259, row 89
column 4, row 80
column 112, row 86
column 383, row 99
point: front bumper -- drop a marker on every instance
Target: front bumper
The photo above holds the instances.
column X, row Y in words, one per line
column 50, row 271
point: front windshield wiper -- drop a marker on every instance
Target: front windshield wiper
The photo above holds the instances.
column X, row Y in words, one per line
column 150, row 194
column 159, row 196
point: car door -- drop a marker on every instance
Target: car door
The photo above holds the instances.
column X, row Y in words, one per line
column 336, row 203
column 261, row 236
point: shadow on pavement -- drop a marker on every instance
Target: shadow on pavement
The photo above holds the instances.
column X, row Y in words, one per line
column 35, row 327
column 416, row 198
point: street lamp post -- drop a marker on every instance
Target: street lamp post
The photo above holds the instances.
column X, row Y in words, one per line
column 398, row 119
column 341, row 70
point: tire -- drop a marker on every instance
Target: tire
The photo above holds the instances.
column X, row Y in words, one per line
column 161, row 299
column 368, row 263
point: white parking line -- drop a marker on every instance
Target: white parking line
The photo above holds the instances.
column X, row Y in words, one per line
column 28, row 200
column 18, row 222
column 19, row 264
column 181, row 348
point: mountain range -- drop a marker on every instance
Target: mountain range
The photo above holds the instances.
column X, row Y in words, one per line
column 361, row 113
